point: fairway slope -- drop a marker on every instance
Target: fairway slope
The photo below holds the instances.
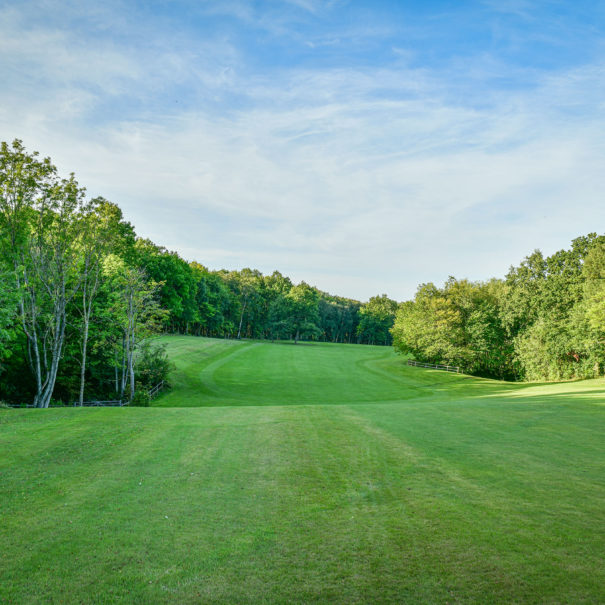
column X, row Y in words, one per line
column 215, row 372
column 218, row 372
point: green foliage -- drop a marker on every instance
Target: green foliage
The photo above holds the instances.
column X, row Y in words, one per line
column 559, row 336
column 376, row 320
column 8, row 315
column 458, row 324
column 594, row 290
column 39, row 218
column 152, row 364
column 545, row 321
column 141, row 398
column 80, row 294
column 178, row 288
column 338, row 318
column 430, row 328
column 303, row 313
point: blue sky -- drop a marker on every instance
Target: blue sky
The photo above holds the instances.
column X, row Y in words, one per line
column 364, row 147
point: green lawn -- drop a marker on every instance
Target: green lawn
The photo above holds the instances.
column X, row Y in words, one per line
column 276, row 473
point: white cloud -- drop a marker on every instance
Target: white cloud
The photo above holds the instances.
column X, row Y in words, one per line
column 361, row 181
column 519, row 8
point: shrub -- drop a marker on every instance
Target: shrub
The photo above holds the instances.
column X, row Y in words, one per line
column 152, row 365
column 141, row 398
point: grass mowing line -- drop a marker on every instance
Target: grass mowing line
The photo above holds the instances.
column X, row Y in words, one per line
column 191, row 363
column 474, row 492
column 207, row 375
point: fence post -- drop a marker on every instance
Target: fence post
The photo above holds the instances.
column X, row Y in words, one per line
column 413, row 362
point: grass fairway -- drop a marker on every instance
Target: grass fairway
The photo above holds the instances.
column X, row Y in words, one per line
column 275, row 473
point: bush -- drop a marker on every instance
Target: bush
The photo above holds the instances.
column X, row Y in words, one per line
column 152, row 365
column 141, row 398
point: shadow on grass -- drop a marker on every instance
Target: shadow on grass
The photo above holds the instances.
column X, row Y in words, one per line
column 291, row 342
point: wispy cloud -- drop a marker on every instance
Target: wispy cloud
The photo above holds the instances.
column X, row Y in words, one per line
column 359, row 178
column 519, row 8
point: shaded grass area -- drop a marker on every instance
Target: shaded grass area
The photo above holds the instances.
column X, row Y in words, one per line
column 460, row 490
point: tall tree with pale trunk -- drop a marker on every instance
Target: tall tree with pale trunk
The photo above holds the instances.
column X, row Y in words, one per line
column 99, row 224
column 37, row 212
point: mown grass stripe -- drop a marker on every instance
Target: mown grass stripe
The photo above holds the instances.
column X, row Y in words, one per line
column 354, row 479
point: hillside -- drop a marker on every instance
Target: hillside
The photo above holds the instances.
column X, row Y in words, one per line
column 217, row 372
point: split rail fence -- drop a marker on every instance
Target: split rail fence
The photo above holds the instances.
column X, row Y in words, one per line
column 433, row 366
column 153, row 392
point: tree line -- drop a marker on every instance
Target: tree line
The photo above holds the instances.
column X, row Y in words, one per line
column 544, row 321
column 81, row 295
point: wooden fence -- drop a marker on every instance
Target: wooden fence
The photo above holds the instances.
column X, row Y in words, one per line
column 156, row 389
column 109, row 403
column 100, row 403
column 433, row 366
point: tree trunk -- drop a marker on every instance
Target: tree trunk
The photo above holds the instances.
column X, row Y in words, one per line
column 83, row 365
column 123, row 365
column 241, row 319
column 43, row 397
column 116, row 373
column 131, row 374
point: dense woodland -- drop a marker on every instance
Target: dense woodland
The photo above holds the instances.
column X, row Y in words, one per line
column 544, row 321
column 81, row 296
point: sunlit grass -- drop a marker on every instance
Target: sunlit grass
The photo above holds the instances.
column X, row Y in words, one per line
column 315, row 473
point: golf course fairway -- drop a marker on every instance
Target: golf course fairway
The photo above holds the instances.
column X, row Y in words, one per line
column 308, row 473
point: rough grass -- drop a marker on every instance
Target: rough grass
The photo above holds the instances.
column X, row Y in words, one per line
column 314, row 473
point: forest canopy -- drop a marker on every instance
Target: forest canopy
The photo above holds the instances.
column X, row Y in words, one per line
column 544, row 321
column 81, row 294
